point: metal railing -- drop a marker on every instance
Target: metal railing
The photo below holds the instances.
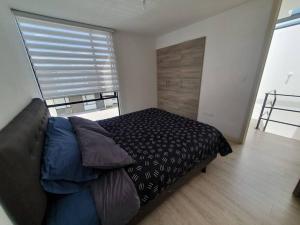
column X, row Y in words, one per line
column 272, row 107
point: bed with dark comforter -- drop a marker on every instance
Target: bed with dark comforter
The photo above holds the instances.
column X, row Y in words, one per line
column 62, row 187
column 165, row 147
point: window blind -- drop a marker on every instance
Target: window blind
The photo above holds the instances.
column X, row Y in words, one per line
column 69, row 60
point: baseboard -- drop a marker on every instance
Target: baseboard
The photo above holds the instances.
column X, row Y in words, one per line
column 233, row 140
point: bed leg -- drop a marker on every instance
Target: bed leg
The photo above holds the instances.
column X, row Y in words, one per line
column 203, row 170
column 297, row 190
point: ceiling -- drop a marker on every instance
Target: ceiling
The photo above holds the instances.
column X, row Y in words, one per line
column 158, row 16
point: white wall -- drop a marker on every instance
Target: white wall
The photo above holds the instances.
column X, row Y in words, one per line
column 282, row 69
column 235, row 43
column 17, row 83
column 287, row 5
column 137, row 71
column 282, row 72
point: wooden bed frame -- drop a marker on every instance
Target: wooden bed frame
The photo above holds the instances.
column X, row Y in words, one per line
column 21, row 146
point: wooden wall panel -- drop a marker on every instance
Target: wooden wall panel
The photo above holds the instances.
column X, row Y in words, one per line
column 179, row 72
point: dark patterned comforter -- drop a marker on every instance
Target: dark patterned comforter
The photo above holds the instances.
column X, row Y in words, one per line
column 165, row 147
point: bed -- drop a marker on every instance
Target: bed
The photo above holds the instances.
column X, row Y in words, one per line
column 167, row 149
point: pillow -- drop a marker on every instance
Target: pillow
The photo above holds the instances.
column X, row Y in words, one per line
column 62, row 159
column 60, row 123
column 73, row 209
column 62, row 187
column 78, row 122
column 101, row 152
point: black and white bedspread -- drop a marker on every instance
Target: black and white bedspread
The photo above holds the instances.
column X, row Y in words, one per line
column 165, row 147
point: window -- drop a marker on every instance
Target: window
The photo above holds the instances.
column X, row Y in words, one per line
column 70, row 59
column 89, row 105
column 59, row 101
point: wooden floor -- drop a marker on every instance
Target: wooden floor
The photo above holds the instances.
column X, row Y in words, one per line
column 252, row 186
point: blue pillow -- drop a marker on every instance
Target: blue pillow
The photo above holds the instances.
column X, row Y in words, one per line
column 62, row 187
column 62, row 159
column 73, row 209
column 60, row 123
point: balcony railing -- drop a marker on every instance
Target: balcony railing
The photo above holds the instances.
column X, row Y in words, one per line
column 271, row 106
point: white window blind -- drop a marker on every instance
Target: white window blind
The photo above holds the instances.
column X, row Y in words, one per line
column 69, row 60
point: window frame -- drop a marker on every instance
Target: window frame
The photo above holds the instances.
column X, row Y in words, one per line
column 286, row 22
column 91, row 104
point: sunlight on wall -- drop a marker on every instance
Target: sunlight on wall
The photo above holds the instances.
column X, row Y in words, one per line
column 282, row 73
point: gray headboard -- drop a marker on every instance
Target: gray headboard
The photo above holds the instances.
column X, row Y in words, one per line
column 21, row 144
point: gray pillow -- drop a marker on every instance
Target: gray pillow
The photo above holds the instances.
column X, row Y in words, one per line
column 116, row 198
column 101, row 152
column 78, row 122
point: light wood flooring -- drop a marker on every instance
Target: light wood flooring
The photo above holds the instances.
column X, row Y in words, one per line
column 252, row 186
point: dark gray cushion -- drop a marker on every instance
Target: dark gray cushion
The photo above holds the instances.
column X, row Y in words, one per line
column 79, row 122
column 101, row 152
column 21, row 144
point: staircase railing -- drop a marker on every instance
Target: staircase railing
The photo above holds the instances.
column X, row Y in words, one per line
column 272, row 107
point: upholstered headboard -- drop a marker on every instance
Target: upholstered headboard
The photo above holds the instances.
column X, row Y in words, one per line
column 21, row 144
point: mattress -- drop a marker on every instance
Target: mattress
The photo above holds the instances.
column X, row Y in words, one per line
column 165, row 147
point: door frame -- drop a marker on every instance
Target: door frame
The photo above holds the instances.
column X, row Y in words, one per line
column 268, row 39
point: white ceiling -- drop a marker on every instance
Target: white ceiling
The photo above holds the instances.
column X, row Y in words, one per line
column 158, row 17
